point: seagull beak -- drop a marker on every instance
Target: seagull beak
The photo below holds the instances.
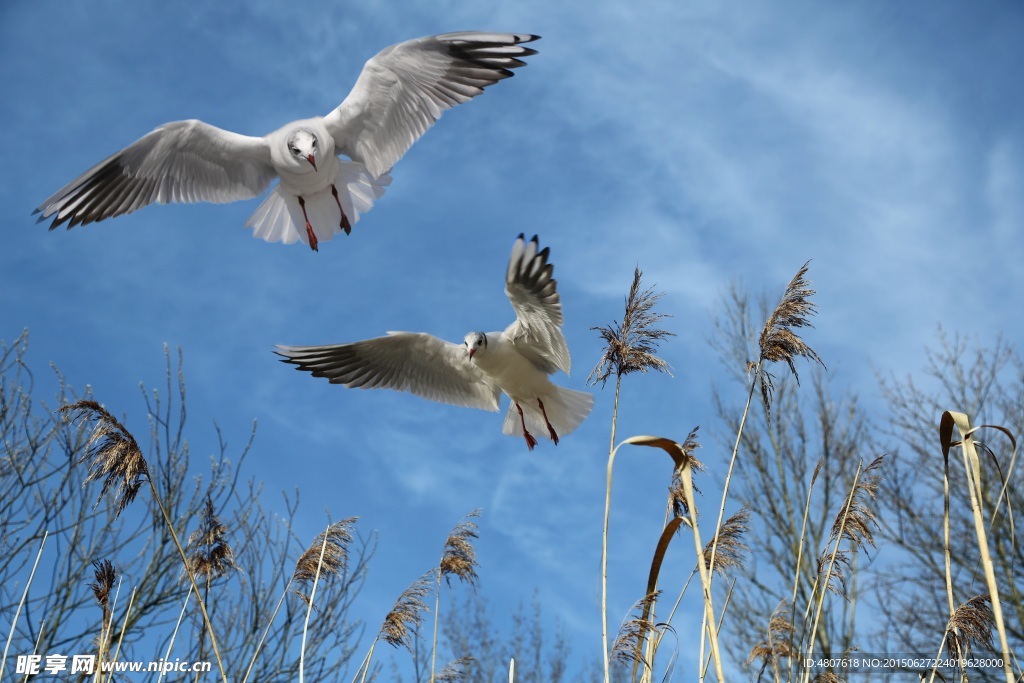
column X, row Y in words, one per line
column 312, row 161
column 471, row 352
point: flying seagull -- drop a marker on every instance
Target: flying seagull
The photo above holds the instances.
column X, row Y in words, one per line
column 400, row 93
column 474, row 374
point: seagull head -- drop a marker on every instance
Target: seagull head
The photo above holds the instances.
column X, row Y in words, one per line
column 476, row 343
column 303, row 145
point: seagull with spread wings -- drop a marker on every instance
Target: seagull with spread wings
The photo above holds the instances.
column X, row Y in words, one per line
column 400, row 93
column 474, row 374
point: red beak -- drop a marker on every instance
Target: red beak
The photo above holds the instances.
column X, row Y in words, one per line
column 471, row 352
column 312, row 161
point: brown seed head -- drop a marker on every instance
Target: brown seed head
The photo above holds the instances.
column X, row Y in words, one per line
column 971, row 623
column 676, row 491
column 827, row 677
column 112, row 453
column 628, row 647
column 856, row 520
column 730, row 550
column 457, row 670
column 211, row 555
column 778, row 341
column 335, row 554
column 459, row 557
column 105, row 577
column 779, row 643
column 406, row 617
column 632, row 346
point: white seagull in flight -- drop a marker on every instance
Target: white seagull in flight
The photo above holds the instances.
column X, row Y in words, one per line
column 474, row 374
column 400, row 93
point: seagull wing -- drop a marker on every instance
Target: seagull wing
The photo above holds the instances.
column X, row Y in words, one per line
column 405, row 88
column 182, row 161
column 533, row 292
column 418, row 363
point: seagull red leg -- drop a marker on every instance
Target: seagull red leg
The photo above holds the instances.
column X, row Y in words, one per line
column 530, row 441
column 309, row 228
column 345, row 225
column 551, row 430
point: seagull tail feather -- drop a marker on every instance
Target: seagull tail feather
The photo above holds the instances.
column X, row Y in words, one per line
column 279, row 218
column 566, row 409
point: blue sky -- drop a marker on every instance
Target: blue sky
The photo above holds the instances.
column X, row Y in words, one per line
column 705, row 141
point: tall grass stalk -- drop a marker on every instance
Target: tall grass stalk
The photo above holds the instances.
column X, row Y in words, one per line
column 309, row 606
column 21, row 603
column 799, row 559
column 604, row 535
column 174, row 633
column 630, row 347
column 106, row 631
column 819, row 598
column 972, row 468
column 710, row 623
column 120, row 637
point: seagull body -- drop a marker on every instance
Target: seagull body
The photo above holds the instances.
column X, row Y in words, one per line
column 516, row 361
column 400, row 93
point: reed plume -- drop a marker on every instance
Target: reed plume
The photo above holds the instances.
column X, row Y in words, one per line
column 729, row 541
column 458, row 560
column 778, row 644
column 628, row 647
column 406, row 617
column 630, row 346
column 211, row 555
column 327, row 555
column 778, row 342
column 113, row 454
column 105, row 575
column 971, row 624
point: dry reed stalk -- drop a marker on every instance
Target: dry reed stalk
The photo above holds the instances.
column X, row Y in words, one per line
column 684, row 464
column 211, row 556
column 331, row 560
column 21, row 603
column 706, row 571
column 334, row 543
column 629, row 347
column 174, row 633
column 458, row 560
column 650, row 645
column 120, row 638
column 854, row 524
column 731, row 553
column 777, row 342
column 681, row 454
column 115, row 457
column 972, row 468
column 800, row 556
